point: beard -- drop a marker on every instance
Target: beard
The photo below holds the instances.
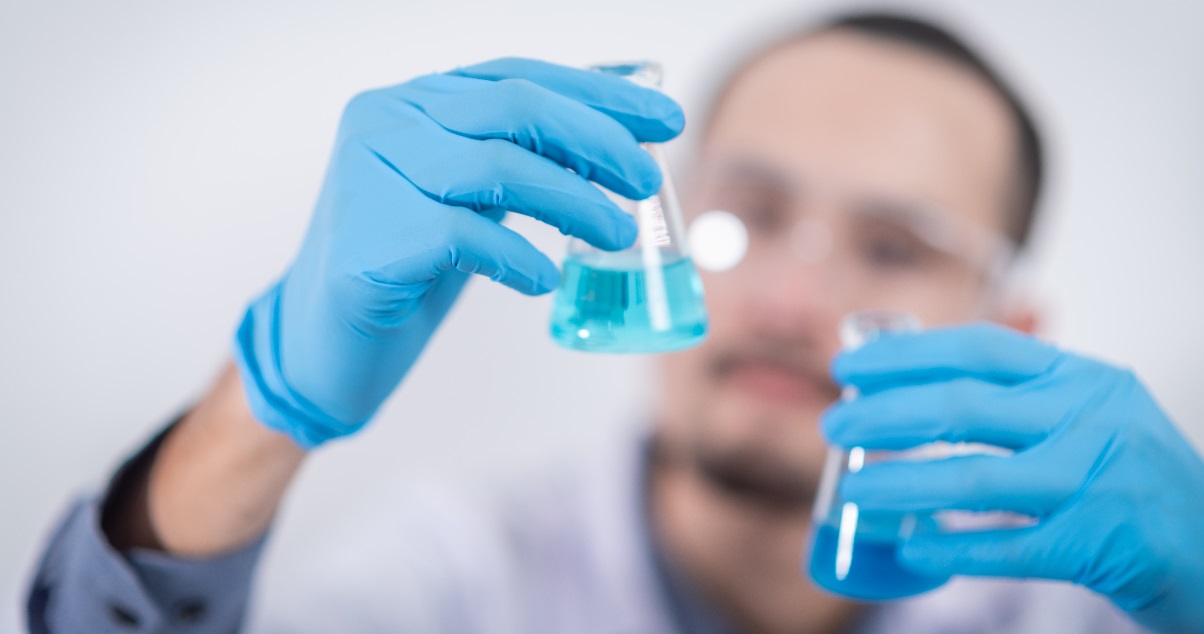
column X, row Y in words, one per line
column 762, row 454
column 755, row 476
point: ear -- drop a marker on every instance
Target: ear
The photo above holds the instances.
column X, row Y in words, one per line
column 1021, row 315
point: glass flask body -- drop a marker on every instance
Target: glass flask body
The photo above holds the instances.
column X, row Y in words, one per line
column 853, row 553
column 646, row 298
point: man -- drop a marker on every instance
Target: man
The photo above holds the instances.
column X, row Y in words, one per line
column 875, row 164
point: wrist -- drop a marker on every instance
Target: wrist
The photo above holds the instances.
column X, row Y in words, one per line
column 219, row 476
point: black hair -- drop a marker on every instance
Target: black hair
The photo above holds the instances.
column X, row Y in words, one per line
column 929, row 36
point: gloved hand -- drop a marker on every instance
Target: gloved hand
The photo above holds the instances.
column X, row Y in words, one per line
column 420, row 177
column 1117, row 492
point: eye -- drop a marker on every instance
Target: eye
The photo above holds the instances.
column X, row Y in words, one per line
column 887, row 251
column 761, row 204
column 759, row 217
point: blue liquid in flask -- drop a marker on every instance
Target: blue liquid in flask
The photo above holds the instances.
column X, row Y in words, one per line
column 871, row 573
column 606, row 306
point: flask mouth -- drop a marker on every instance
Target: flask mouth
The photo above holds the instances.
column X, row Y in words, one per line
column 862, row 327
column 645, row 72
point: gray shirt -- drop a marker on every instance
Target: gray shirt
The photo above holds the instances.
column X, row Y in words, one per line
column 570, row 552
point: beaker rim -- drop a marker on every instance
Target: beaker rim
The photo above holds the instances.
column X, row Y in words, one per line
column 644, row 72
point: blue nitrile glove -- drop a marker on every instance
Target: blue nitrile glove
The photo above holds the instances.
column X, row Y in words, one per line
column 1117, row 491
column 420, row 177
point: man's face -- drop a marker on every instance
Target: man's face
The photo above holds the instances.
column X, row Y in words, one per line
column 828, row 149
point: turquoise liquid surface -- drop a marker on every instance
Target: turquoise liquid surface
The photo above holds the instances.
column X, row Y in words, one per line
column 607, row 308
column 873, row 572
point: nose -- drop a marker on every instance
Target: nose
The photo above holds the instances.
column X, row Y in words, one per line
column 790, row 295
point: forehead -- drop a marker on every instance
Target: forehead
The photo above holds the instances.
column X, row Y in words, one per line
column 871, row 115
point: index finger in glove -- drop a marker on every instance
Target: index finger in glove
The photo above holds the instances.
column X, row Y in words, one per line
column 541, row 121
column 649, row 114
column 982, row 351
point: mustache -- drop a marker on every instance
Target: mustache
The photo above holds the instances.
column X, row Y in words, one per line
column 803, row 359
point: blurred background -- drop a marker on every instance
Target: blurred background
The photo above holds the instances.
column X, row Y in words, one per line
column 158, row 164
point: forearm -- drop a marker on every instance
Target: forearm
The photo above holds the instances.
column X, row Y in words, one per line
column 214, row 485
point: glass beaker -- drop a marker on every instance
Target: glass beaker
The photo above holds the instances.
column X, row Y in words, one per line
column 646, row 298
column 853, row 552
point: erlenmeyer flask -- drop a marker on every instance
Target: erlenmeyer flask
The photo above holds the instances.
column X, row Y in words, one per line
column 646, row 298
column 853, row 551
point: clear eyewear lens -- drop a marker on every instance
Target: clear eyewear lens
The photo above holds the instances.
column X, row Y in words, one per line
column 867, row 252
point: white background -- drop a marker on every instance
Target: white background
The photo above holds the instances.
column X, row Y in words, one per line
column 158, row 162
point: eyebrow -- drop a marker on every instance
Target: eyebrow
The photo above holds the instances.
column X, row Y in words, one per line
column 757, row 173
column 900, row 211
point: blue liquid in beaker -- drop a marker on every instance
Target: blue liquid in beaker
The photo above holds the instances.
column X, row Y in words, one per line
column 873, row 573
column 624, row 309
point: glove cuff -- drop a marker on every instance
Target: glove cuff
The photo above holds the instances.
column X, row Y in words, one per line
column 256, row 348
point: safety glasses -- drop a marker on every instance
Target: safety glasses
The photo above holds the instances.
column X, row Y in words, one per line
column 867, row 250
